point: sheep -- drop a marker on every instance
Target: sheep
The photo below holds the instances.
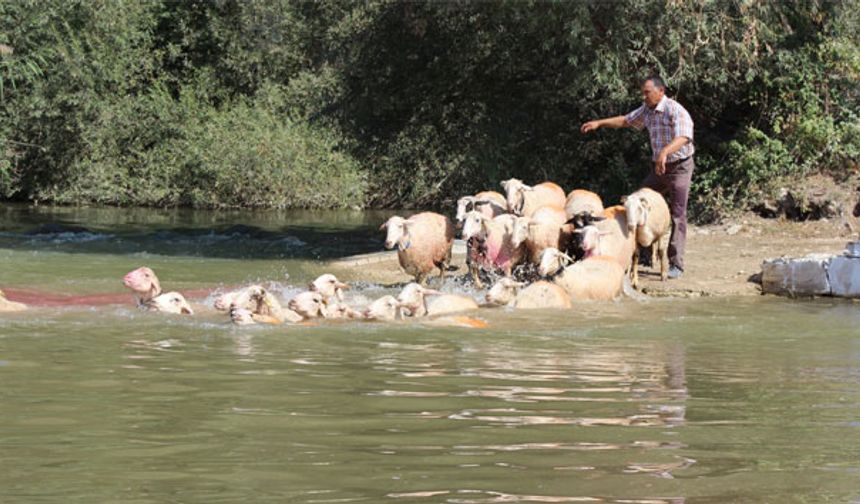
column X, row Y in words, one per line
column 489, row 203
column 492, row 247
column 329, row 286
column 648, row 217
column 308, row 305
column 143, row 282
column 10, row 306
column 540, row 294
column 384, row 308
column 540, row 231
column 580, row 200
column 264, row 305
column 595, row 278
column 244, row 316
column 413, row 298
column 524, row 200
column 614, row 238
column 423, row 242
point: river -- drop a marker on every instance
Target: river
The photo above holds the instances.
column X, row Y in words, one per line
column 707, row 400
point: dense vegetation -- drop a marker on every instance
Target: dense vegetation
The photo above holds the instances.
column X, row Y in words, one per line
column 381, row 103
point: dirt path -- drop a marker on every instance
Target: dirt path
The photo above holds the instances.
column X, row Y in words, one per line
column 720, row 259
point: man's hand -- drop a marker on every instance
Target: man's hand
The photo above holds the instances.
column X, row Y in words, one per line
column 660, row 164
column 589, row 126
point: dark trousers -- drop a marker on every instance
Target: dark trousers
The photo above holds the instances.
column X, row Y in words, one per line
column 675, row 185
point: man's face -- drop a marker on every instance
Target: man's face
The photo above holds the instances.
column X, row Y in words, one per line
column 651, row 94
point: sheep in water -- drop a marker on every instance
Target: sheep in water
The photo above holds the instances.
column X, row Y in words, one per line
column 331, row 290
column 423, row 243
column 413, row 298
column 524, row 200
column 10, row 306
column 648, row 217
column 594, row 278
column 493, row 244
column 384, row 308
column 540, row 294
column 147, row 289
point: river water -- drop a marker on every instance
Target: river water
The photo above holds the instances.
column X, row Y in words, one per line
column 664, row 401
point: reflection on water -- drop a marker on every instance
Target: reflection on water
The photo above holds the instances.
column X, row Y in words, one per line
column 669, row 401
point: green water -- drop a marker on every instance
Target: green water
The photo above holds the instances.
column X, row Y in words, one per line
column 667, row 401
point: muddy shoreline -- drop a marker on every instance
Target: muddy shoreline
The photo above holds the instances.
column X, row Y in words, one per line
column 722, row 260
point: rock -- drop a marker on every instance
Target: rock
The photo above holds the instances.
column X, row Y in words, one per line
column 733, row 229
column 844, row 276
column 805, row 276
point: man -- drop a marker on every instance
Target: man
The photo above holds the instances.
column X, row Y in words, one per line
column 671, row 130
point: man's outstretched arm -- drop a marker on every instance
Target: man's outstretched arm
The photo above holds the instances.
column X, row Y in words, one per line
column 609, row 122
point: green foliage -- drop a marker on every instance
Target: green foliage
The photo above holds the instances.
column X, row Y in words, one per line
column 387, row 103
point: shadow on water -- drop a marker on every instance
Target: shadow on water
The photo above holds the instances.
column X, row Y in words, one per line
column 197, row 233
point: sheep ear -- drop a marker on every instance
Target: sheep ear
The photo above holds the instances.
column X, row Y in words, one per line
column 384, row 225
column 565, row 257
column 645, row 203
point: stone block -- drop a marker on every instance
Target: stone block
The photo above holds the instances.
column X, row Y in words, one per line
column 804, row 276
column 844, row 276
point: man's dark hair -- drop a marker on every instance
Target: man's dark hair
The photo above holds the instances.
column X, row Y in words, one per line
column 658, row 82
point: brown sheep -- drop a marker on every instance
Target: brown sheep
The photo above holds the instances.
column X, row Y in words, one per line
column 423, row 243
column 524, row 200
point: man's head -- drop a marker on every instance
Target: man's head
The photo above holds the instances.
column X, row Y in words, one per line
column 653, row 90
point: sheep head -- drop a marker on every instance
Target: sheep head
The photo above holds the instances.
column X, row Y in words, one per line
column 637, row 209
column 329, row 286
column 171, row 302
column 515, row 195
column 412, row 299
column 504, row 291
column 474, row 225
column 384, row 308
column 552, row 260
column 308, row 304
column 520, row 230
column 397, row 233
column 143, row 282
column 464, row 205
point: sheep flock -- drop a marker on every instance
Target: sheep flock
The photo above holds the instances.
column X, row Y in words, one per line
column 535, row 245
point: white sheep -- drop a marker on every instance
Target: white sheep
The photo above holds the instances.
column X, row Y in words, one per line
column 413, row 299
column 540, row 294
column 612, row 237
column 384, row 308
column 147, row 289
column 423, row 243
column 540, row 231
column 592, row 279
column 649, row 218
column 580, row 200
column 489, row 203
column 524, row 200
column 491, row 244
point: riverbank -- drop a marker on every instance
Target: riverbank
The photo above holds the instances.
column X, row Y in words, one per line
column 722, row 260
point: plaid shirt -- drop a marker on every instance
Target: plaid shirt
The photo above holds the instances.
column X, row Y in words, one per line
column 665, row 122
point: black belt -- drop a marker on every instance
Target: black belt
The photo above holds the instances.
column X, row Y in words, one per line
column 675, row 163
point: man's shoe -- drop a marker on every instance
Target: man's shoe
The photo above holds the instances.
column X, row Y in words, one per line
column 675, row 272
